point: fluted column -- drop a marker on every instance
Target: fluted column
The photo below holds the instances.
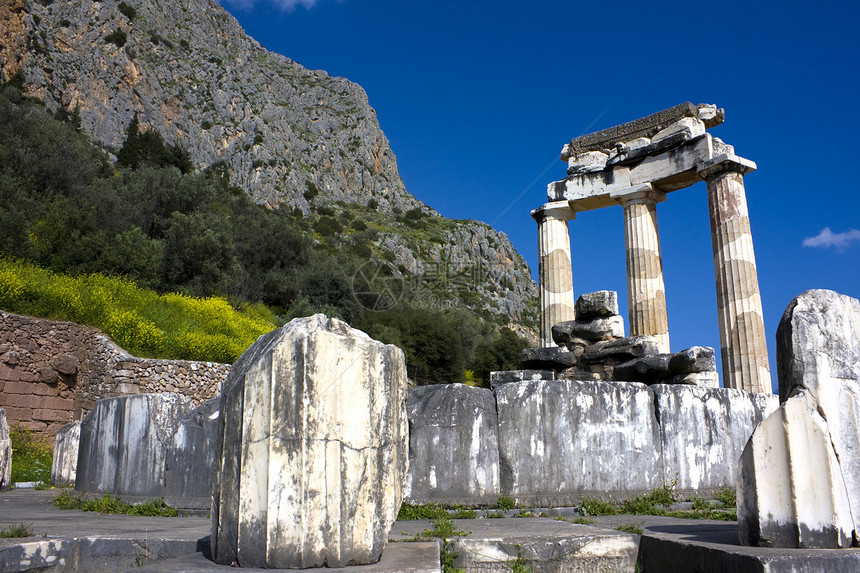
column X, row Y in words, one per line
column 554, row 272
column 646, row 293
column 742, row 335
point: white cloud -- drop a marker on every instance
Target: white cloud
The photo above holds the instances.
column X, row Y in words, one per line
column 827, row 238
column 285, row 5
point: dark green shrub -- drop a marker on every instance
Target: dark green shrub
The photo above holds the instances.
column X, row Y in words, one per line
column 127, row 11
column 117, row 37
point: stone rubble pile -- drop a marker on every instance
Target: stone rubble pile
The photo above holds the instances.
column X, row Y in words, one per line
column 799, row 475
column 593, row 347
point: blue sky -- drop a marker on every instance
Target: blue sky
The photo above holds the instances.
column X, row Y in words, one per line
column 478, row 98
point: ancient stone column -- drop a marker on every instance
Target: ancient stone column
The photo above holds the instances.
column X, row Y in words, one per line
column 742, row 335
column 646, row 293
column 554, row 272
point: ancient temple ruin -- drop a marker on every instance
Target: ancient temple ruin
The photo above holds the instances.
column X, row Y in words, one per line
column 636, row 165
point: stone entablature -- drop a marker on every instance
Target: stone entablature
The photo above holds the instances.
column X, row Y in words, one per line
column 634, row 165
column 53, row 372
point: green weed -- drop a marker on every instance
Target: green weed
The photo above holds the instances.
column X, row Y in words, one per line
column 16, row 531
column 32, row 456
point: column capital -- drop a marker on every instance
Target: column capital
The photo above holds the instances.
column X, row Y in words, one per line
column 554, row 210
column 722, row 163
column 644, row 193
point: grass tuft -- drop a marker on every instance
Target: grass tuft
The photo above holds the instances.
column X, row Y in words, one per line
column 32, row 456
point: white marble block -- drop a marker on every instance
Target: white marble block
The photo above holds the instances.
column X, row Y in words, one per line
column 790, row 487
column 799, row 476
column 313, row 449
column 124, row 443
column 5, row 453
column 65, row 464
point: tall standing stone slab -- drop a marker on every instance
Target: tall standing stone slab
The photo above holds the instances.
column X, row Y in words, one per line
column 560, row 440
column 65, row 465
column 791, row 491
column 5, row 453
column 799, row 477
column 124, row 443
column 704, row 430
column 453, row 445
column 313, row 453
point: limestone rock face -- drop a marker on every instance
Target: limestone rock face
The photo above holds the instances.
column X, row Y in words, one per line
column 313, row 454
column 65, row 465
column 124, row 443
column 548, row 432
column 5, row 453
column 791, row 492
column 453, row 445
column 191, row 456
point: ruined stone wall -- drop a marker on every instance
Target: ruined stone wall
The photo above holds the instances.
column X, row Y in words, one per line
column 53, row 372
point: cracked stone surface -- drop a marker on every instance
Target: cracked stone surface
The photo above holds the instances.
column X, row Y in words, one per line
column 313, row 455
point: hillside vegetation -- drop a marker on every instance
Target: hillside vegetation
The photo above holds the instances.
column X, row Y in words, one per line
column 176, row 235
column 295, row 140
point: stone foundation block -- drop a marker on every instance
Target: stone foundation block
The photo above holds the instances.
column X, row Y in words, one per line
column 563, row 439
column 313, row 454
column 504, row 376
column 704, row 430
column 124, row 443
column 453, row 445
column 65, row 466
column 190, row 461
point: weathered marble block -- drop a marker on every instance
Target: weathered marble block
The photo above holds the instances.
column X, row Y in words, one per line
column 559, row 440
column 65, row 465
column 791, row 491
column 799, row 476
column 190, row 462
column 453, row 445
column 5, row 453
column 704, row 430
column 597, row 304
column 313, row 453
column 124, row 443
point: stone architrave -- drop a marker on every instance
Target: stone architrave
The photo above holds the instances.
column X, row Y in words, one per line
column 741, row 322
column 313, row 455
column 5, row 453
column 453, row 445
column 65, row 464
column 646, row 292
column 124, row 443
column 555, row 271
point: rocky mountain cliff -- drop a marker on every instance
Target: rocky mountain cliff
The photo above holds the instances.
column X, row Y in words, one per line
column 289, row 135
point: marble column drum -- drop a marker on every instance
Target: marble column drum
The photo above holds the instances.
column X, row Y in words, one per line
column 646, row 293
column 742, row 334
column 555, row 271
